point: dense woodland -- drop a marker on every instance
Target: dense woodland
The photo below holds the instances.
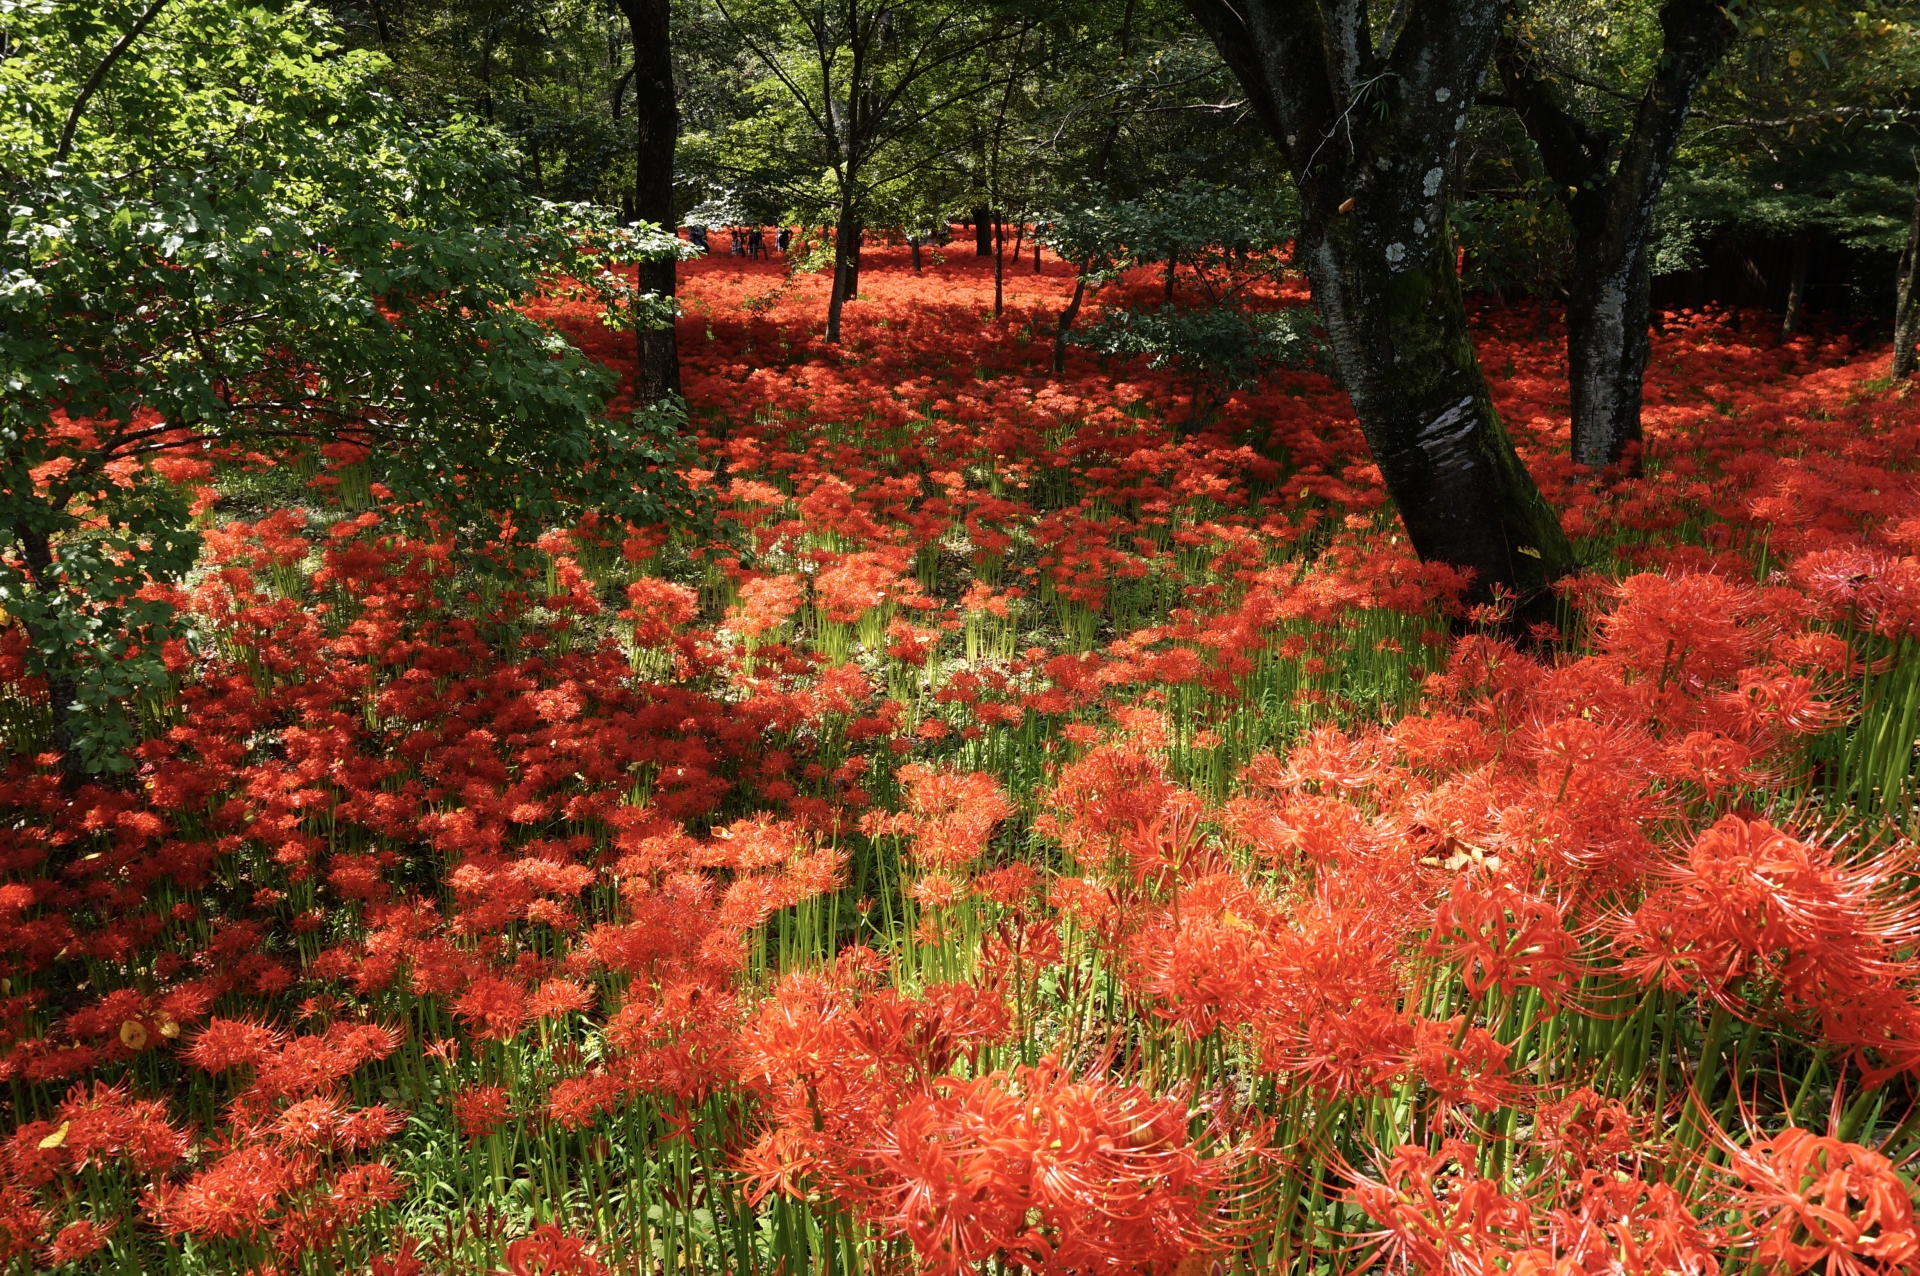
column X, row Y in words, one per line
column 823, row 639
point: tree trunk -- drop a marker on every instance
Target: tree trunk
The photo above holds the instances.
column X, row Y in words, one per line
column 1067, row 317
column 854, row 231
column 1036, row 250
column 1607, row 347
column 1609, row 191
column 1371, row 140
column 657, row 120
column 846, row 268
column 1400, row 338
column 999, row 268
column 1906, row 311
column 982, row 232
column 1796, row 291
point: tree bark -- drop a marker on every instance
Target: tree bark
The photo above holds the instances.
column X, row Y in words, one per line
column 1609, row 191
column 1906, row 311
column 657, row 130
column 983, row 232
column 846, row 268
column 1067, row 317
column 999, row 268
column 1371, row 138
column 1796, row 291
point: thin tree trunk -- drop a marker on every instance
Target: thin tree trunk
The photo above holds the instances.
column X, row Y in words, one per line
column 1906, row 312
column 1173, row 261
column 1067, row 317
column 1796, row 291
column 999, row 268
column 657, row 130
column 1036, row 250
column 982, row 232
column 855, row 231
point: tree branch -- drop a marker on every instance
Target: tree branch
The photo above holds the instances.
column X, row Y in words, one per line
column 99, row 74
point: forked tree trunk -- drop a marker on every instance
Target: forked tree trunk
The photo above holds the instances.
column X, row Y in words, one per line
column 1371, row 137
column 1609, row 191
column 1906, row 311
column 657, row 120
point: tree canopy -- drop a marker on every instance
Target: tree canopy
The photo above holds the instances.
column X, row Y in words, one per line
column 223, row 237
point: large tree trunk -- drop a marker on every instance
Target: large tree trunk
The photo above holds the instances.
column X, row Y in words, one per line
column 657, row 119
column 1906, row 311
column 983, row 232
column 1399, row 335
column 1609, row 192
column 1370, row 136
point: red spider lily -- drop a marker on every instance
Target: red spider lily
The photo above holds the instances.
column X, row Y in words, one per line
column 480, row 1110
column 953, row 815
column 548, row 1251
column 22, row 1222
column 1811, row 1201
column 1501, row 937
column 1437, row 1216
column 376, row 789
column 1750, row 901
column 1059, row 1173
column 78, row 1239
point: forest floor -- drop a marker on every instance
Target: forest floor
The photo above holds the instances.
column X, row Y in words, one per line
column 1020, row 824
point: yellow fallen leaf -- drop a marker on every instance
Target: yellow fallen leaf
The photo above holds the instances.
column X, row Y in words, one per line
column 57, row 1138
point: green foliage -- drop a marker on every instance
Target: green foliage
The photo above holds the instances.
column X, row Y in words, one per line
column 1223, row 348
column 246, row 247
column 1517, row 240
column 1229, row 237
column 1226, row 241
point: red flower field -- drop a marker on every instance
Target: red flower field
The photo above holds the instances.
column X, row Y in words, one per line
column 1008, row 830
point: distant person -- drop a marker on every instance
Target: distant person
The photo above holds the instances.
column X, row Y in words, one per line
column 736, row 242
column 782, row 239
column 697, row 236
column 756, row 243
